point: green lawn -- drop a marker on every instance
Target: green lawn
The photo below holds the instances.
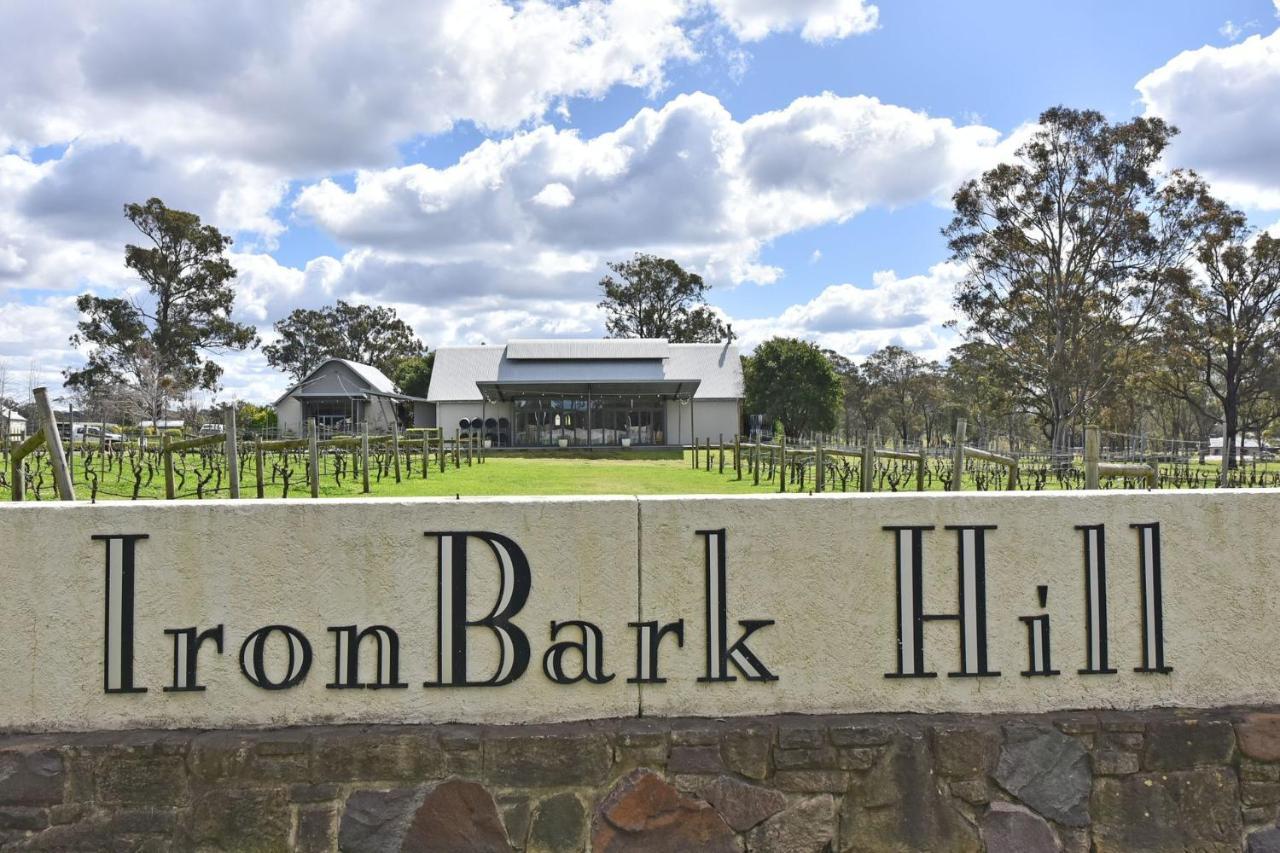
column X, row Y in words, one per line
column 631, row 472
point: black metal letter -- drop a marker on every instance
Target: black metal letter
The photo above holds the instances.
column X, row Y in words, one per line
column 117, row 654
column 346, row 657
column 719, row 654
column 186, row 656
column 590, row 651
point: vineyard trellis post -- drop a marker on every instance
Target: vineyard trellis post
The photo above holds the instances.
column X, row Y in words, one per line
column 440, row 448
column 395, row 447
column 261, row 462
column 426, row 455
column 920, row 466
column 721, row 457
column 61, row 473
column 1092, row 456
column 819, row 475
column 364, row 456
column 167, row 458
column 755, row 464
column 233, row 461
column 957, row 455
column 737, row 454
column 868, row 462
column 313, row 458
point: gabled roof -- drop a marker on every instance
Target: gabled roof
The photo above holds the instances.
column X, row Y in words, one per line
column 11, row 414
column 715, row 368
column 376, row 382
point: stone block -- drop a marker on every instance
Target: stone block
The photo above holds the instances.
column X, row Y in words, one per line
column 30, row 777
column 1260, row 736
column 23, row 817
column 1121, row 741
column 972, row 791
column 965, row 752
column 1256, row 771
column 856, row 758
column 742, row 805
column 804, row 759
column 317, row 829
column 560, row 826
column 1046, row 770
column 456, row 815
column 799, row 737
column 1260, row 793
column 371, row 756
column 695, row 759
column 860, row 735
column 244, row 819
column 320, row 792
column 644, row 813
column 746, row 751
column 375, row 821
column 1263, row 841
column 698, row 736
column 900, row 806
column 1184, row 744
column 1010, row 828
column 537, row 761
column 517, row 813
column 812, row 781
column 1112, row 763
column 141, row 776
column 1174, row 811
column 807, row 826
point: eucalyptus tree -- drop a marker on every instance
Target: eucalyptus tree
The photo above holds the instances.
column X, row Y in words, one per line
column 1070, row 250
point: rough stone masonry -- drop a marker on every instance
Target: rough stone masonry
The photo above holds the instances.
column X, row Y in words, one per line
column 1106, row 781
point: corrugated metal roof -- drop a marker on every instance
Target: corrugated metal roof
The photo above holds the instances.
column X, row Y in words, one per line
column 621, row 348
column 716, row 367
column 378, row 381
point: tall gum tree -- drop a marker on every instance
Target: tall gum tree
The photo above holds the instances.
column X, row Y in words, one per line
column 1222, row 326
column 1070, row 249
column 160, row 346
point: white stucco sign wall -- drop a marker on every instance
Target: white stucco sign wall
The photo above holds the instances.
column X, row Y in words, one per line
column 258, row 613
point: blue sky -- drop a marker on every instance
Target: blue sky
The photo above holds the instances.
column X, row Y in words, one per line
column 476, row 164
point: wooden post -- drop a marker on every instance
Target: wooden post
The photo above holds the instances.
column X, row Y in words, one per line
column 737, row 454
column 53, row 441
column 233, row 460
column 395, row 447
column 1155, row 474
column 313, row 456
column 1013, row 474
column 426, row 456
column 167, row 455
column 957, row 455
column 755, row 464
column 1224, row 471
column 869, row 463
column 261, row 462
column 695, row 453
column 364, row 456
column 708, row 454
column 1092, row 455
column 440, row 451
column 721, row 471
column 457, row 449
column 782, row 464
column 819, row 474
column 920, row 466
column 471, row 440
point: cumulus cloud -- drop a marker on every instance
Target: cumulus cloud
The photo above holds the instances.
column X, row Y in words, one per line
column 816, row 20
column 1220, row 98
column 910, row 312
column 686, row 179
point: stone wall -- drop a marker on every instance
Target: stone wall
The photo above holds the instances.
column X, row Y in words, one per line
column 1105, row 781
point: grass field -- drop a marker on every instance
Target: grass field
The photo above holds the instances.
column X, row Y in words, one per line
column 631, row 472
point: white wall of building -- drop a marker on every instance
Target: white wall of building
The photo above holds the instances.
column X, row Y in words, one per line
column 701, row 419
column 289, row 416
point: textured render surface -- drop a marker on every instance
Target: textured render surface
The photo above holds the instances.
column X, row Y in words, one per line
column 309, row 565
column 823, row 568
column 865, row 783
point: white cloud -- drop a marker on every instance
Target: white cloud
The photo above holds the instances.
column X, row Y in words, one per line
column 685, row 180
column 1232, row 31
column 1221, row 98
column 817, row 20
column 855, row 321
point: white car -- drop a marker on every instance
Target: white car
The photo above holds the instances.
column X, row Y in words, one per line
column 91, row 434
column 212, row 429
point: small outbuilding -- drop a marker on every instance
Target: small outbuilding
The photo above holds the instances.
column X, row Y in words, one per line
column 14, row 424
column 588, row 393
column 340, row 394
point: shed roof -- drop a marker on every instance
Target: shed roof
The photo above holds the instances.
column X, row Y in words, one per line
column 376, row 381
column 715, row 369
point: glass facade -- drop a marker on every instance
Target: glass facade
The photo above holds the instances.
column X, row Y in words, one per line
column 588, row 421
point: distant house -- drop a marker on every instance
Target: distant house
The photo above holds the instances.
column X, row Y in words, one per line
column 588, row 393
column 14, row 423
column 340, row 394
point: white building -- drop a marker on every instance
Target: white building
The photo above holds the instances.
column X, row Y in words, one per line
column 15, row 423
column 588, row 393
column 340, row 394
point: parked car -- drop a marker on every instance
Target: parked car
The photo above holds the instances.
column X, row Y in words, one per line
column 93, row 434
column 212, row 429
